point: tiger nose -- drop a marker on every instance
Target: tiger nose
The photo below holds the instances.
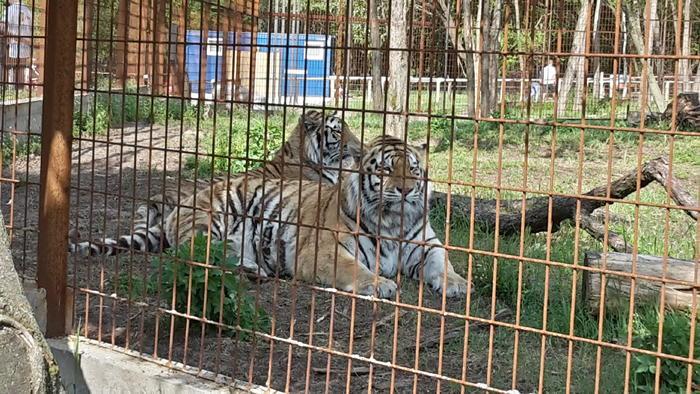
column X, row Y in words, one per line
column 404, row 190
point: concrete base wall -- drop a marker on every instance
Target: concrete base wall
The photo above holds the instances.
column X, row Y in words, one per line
column 100, row 370
column 25, row 114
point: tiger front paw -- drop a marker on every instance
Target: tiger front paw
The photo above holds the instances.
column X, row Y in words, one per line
column 385, row 288
column 456, row 286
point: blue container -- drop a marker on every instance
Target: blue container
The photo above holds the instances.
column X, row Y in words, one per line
column 305, row 60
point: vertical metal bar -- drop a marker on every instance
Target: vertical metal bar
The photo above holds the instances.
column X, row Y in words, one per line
column 54, row 193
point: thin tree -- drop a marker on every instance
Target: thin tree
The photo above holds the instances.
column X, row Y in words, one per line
column 597, row 75
column 463, row 40
column 398, row 69
column 684, row 64
column 490, row 22
column 574, row 66
column 633, row 10
column 377, row 59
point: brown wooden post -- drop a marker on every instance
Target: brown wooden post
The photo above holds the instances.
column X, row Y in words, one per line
column 56, row 139
column 204, row 31
column 224, row 63
column 40, row 46
column 120, row 54
column 160, row 32
column 89, row 48
column 238, row 27
column 179, row 64
column 254, row 12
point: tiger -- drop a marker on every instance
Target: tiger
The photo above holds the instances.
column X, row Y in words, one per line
column 315, row 151
column 329, row 234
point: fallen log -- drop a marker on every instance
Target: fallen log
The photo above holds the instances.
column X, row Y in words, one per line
column 537, row 215
column 650, row 271
column 687, row 113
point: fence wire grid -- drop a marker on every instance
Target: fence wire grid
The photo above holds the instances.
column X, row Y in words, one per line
column 560, row 139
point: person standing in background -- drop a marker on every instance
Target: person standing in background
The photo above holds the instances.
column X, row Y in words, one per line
column 549, row 79
column 16, row 24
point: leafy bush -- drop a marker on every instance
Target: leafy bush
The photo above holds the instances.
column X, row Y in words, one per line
column 214, row 291
column 676, row 341
column 234, row 141
column 31, row 145
column 94, row 119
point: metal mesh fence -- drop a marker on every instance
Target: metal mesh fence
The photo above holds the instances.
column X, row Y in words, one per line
column 557, row 252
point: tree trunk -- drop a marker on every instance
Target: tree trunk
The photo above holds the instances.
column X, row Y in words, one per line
column 490, row 27
column 398, row 69
column 685, row 72
column 485, row 87
column 465, row 45
column 494, row 46
column 26, row 362
column 537, row 215
column 341, row 43
column 377, row 62
column 596, row 49
column 617, row 287
column 468, row 58
column 574, row 67
column 632, row 8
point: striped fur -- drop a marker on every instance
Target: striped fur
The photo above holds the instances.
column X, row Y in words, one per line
column 279, row 227
column 315, row 151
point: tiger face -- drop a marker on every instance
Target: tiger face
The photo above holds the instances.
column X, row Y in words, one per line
column 394, row 173
column 329, row 141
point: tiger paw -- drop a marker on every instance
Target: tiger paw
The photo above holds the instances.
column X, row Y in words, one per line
column 385, row 288
column 456, row 286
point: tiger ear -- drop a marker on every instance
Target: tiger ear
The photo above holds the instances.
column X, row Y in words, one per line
column 422, row 149
column 311, row 120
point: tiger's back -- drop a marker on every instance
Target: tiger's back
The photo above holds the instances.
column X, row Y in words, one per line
column 315, row 151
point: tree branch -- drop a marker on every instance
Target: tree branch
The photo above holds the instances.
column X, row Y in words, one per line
column 537, row 215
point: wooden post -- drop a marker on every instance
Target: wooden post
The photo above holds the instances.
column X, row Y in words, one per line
column 224, row 61
column 89, row 49
column 253, row 25
column 179, row 65
column 204, row 36
column 120, row 54
column 54, row 189
column 160, row 33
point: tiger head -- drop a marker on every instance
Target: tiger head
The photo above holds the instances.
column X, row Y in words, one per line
column 328, row 141
column 393, row 173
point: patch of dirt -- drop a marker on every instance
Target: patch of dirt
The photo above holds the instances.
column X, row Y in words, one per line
column 317, row 340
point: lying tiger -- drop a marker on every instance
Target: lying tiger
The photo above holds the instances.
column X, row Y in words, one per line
column 329, row 234
column 314, row 151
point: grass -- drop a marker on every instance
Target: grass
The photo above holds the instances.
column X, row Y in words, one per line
column 554, row 159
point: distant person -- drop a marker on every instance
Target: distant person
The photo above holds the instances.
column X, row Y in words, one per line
column 549, row 79
column 17, row 24
column 535, row 91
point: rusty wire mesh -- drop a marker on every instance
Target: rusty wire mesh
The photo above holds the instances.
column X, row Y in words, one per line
column 528, row 187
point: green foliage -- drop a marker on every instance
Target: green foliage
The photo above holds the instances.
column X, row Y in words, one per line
column 213, row 291
column 234, row 139
column 116, row 108
column 675, row 341
column 30, row 145
column 92, row 120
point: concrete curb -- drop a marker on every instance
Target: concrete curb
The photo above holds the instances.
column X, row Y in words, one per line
column 101, row 370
